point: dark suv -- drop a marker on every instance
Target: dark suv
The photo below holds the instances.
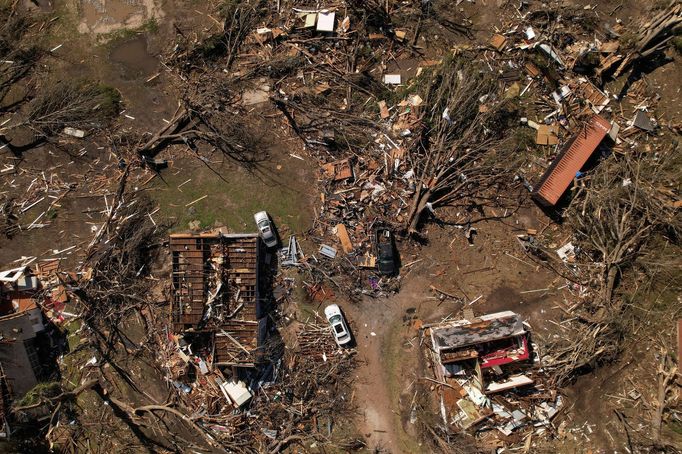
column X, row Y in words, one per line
column 385, row 250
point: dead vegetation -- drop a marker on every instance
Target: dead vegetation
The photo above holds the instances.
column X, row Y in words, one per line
column 617, row 216
column 457, row 154
column 19, row 50
column 75, row 103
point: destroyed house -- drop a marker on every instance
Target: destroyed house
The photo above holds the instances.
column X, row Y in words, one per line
column 479, row 357
column 572, row 157
column 492, row 340
column 21, row 320
column 215, row 294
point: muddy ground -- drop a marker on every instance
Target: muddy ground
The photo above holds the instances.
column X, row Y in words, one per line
column 119, row 43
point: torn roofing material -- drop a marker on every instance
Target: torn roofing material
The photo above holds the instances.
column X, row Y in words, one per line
column 462, row 333
column 573, row 156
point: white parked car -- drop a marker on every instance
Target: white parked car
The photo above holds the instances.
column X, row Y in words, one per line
column 265, row 228
column 338, row 325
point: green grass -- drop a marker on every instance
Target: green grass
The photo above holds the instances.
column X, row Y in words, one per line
column 150, row 26
column 122, row 34
column 232, row 200
column 72, row 336
column 46, row 389
column 676, row 427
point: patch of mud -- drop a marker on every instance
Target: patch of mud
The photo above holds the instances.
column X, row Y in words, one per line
column 106, row 16
column 134, row 59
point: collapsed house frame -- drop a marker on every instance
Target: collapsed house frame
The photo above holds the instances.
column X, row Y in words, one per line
column 215, row 295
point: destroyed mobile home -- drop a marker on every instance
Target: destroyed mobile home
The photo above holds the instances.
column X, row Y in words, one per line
column 487, row 375
column 217, row 314
column 221, row 322
column 32, row 305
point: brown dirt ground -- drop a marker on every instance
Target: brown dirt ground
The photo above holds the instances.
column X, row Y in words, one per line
column 389, row 358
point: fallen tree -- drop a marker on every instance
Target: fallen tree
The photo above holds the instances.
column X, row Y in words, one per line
column 618, row 213
column 653, row 37
column 460, row 151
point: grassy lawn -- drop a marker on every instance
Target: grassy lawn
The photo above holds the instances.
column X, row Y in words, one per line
column 233, row 196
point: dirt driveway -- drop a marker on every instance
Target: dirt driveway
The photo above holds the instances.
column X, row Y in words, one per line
column 386, row 329
column 380, row 333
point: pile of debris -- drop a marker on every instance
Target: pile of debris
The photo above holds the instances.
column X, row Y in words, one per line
column 34, row 305
column 307, row 380
column 488, row 379
column 215, row 294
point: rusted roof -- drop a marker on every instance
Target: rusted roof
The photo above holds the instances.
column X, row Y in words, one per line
column 574, row 154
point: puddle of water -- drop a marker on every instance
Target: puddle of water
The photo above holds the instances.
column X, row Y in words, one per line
column 134, row 59
column 120, row 10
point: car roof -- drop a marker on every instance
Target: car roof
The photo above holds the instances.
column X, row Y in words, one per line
column 332, row 309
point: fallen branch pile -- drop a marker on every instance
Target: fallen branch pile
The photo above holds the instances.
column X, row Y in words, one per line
column 616, row 216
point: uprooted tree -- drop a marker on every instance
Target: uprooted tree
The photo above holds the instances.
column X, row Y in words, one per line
column 617, row 215
column 652, row 38
column 460, row 152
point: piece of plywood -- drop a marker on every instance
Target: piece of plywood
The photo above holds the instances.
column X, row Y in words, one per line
column 512, row 382
column 498, row 41
column 532, row 70
column 342, row 233
column 547, row 135
column 383, row 110
column 338, row 170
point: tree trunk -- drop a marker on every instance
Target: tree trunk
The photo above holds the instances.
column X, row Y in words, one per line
column 421, row 198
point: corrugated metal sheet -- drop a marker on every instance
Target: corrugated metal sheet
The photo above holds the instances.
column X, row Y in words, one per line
column 574, row 154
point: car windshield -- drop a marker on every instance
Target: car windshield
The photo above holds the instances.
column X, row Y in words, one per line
column 264, row 223
column 339, row 328
column 335, row 319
